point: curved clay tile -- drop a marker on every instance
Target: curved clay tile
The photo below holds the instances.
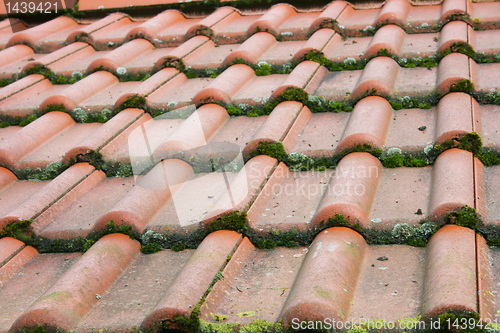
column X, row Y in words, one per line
column 451, row 276
column 78, row 92
column 121, row 55
column 326, row 283
column 252, row 49
column 155, row 188
column 89, row 32
column 322, row 41
column 153, row 26
column 72, row 52
column 389, row 37
column 42, row 199
column 225, row 85
column 272, row 19
column 194, row 279
column 454, row 32
column 33, row 35
column 451, row 8
column 194, row 132
column 352, row 189
column 215, row 21
column 106, row 133
column 150, row 85
column 32, row 136
column 73, row 295
column 454, row 68
column 454, row 116
column 306, row 76
column 14, row 53
column 13, row 256
column 452, row 183
column 181, row 55
column 368, row 124
column 276, row 126
column 394, row 12
column 328, row 18
column 379, row 77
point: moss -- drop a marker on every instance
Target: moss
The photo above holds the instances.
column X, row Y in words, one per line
column 219, row 317
column 54, row 107
column 40, row 329
column 464, row 85
column 384, row 53
column 150, row 248
column 29, row 119
column 261, row 326
column 273, row 149
column 263, row 69
column 466, row 217
column 236, row 221
column 136, row 101
column 42, row 70
column 394, row 161
column 178, row 247
column 20, row 230
column 233, row 111
column 51, row 171
column 471, row 142
column 463, row 48
column 5, row 82
column 79, row 244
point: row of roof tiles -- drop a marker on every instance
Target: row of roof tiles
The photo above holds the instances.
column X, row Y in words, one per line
column 200, row 52
column 82, row 200
column 228, row 26
column 238, row 84
column 114, row 287
column 56, row 137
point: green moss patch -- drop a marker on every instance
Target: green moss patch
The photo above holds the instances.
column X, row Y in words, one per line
column 466, row 217
column 22, row 231
column 153, row 241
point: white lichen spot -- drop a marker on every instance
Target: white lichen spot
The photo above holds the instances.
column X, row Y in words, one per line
column 286, row 34
column 428, row 149
column 81, row 115
column 425, row 25
column 368, row 28
column 350, row 61
column 111, row 43
column 376, row 220
column 121, row 70
column 393, row 151
column 402, row 231
column 76, row 75
column 100, row 7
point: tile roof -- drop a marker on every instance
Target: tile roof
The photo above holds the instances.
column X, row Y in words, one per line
column 251, row 170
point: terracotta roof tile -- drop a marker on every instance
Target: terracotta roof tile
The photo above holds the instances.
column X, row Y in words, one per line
column 364, row 139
